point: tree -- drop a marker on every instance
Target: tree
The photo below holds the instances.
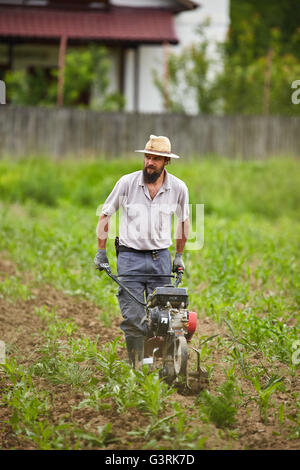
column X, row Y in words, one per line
column 282, row 15
column 251, row 80
column 251, row 84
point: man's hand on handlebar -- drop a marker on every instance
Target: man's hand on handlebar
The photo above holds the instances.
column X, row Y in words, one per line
column 178, row 264
column 101, row 260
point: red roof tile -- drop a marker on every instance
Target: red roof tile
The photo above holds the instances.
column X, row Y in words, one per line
column 146, row 25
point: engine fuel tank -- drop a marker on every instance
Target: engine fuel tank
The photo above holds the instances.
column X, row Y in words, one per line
column 176, row 296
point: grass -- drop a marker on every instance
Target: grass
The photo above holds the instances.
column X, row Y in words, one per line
column 245, row 279
column 228, row 188
column 12, row 288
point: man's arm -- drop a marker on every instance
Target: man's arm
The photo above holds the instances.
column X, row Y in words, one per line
column 182, row 233
column 110, row 206
column 102, row 231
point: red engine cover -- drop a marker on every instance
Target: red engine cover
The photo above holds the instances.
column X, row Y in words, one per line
column 192, row 325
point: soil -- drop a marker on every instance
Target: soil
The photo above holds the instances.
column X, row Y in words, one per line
column 20, row 329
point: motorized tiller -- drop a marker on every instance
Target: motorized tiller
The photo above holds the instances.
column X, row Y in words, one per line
column 170, row 328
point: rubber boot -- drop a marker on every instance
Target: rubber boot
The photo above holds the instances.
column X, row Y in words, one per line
column 135, row 349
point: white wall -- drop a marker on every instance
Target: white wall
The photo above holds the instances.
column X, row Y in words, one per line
column 216, row 10
column 151, row 58
column 129, row 80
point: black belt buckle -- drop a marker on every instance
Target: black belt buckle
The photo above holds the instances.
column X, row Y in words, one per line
column 154, row 254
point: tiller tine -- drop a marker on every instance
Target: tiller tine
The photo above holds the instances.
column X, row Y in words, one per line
column 153, row 351
column 201, row 376
column 150, row 361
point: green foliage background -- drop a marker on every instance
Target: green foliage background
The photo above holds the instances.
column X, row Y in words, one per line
column 282, row 15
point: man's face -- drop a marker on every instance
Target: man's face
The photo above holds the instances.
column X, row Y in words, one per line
column 153, row 167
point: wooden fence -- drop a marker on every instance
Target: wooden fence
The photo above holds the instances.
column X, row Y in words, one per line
column 63, row 132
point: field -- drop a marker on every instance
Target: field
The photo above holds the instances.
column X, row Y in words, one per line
column 66, row 383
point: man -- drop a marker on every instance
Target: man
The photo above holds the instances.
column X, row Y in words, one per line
column 149, row 198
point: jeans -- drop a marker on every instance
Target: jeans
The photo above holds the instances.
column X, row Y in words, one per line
column 139, row 263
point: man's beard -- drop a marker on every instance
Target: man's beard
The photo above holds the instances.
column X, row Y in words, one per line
column 151, row 177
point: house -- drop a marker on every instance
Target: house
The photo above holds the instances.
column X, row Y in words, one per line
column 138, row 34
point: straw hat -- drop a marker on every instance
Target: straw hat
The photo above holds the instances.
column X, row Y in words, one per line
column 159, row 145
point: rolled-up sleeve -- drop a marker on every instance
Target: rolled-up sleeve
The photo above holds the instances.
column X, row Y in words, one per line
column 182, row 210
column 114, row 200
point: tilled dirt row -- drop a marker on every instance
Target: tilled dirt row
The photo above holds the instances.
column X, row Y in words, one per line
column 20, row 328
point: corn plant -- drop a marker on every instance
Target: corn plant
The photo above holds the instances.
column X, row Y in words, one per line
column 99, row 439
column 264, row 394
column 96, row 399
column 157, row 426
column 295, row 430
column 153, row 394
column 182, row 433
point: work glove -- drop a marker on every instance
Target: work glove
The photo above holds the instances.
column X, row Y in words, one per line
column 101, row 258
column 178, row 263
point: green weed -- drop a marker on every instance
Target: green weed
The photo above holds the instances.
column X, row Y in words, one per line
column 220, row 409
column 11, row 289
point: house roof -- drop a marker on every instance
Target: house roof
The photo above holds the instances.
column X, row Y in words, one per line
column 121, row 24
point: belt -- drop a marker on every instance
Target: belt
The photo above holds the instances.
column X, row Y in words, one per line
column 133, row 250
column 154, row 253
